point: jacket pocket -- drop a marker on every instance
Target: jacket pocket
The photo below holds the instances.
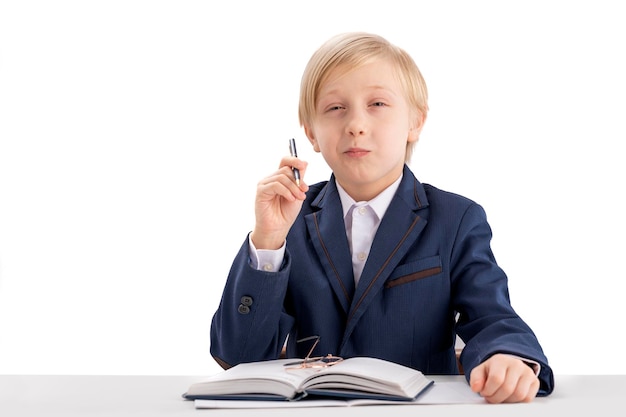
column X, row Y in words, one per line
column 413, row 271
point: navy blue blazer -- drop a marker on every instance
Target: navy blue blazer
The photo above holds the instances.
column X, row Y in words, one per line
column 430, row 275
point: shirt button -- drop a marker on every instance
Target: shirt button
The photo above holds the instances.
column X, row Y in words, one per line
column 362, row 210
column 268, row 267
column 362, row 256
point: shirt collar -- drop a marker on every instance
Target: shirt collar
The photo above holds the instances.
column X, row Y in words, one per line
column 379, row 204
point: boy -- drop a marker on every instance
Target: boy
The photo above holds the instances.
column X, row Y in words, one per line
column 372, row 261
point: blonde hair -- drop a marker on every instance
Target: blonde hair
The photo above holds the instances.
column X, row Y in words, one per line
column 350, row 51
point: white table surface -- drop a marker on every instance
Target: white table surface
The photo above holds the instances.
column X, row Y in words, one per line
column 161, row 396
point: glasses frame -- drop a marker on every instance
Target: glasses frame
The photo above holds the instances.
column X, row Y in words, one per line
column 318, row 362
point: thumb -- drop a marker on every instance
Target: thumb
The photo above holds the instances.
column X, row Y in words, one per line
column 478, row 376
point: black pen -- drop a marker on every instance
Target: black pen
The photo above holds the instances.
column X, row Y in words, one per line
column 292, row 150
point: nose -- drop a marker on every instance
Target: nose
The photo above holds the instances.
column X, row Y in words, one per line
column 356, row 124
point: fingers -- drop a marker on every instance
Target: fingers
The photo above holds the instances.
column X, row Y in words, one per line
column 282, row 183
column 293, row 162
column 504, row 378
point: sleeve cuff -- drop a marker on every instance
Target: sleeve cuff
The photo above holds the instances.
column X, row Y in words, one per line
column 266, row 260
column 535, row 366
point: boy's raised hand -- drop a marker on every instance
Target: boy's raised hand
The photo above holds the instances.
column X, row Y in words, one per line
column 504, row 379
column 278, row 202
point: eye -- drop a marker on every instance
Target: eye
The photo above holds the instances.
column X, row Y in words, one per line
column 378, row 104
column 334, row 108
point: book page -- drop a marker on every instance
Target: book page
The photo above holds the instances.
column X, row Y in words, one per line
column 265, row 377
column 370, row 374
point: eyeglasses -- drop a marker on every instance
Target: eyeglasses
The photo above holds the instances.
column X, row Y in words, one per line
column 317, row 362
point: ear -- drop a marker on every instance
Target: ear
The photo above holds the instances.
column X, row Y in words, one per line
column 309, row 134
column 417, row 123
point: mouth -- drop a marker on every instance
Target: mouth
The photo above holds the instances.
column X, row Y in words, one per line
column 356, row 152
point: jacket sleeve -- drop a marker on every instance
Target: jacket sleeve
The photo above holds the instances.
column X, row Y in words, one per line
column 487, row 322
column 250, row 323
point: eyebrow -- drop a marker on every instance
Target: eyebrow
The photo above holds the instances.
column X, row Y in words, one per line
column 368, row 88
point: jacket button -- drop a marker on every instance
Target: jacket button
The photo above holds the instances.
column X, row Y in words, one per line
column 246, row 300
column 243, row 309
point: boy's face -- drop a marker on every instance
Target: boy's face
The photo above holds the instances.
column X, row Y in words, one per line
column 362, row 125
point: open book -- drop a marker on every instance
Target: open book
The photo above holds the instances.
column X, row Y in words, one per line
column 358, row 377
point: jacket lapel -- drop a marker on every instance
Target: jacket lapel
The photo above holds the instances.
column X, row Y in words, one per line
column 399, row 229
column 327, row 230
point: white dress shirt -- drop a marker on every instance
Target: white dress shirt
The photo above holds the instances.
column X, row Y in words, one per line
column 362, row 219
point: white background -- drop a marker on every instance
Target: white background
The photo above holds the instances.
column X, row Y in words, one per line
column 132, row 135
